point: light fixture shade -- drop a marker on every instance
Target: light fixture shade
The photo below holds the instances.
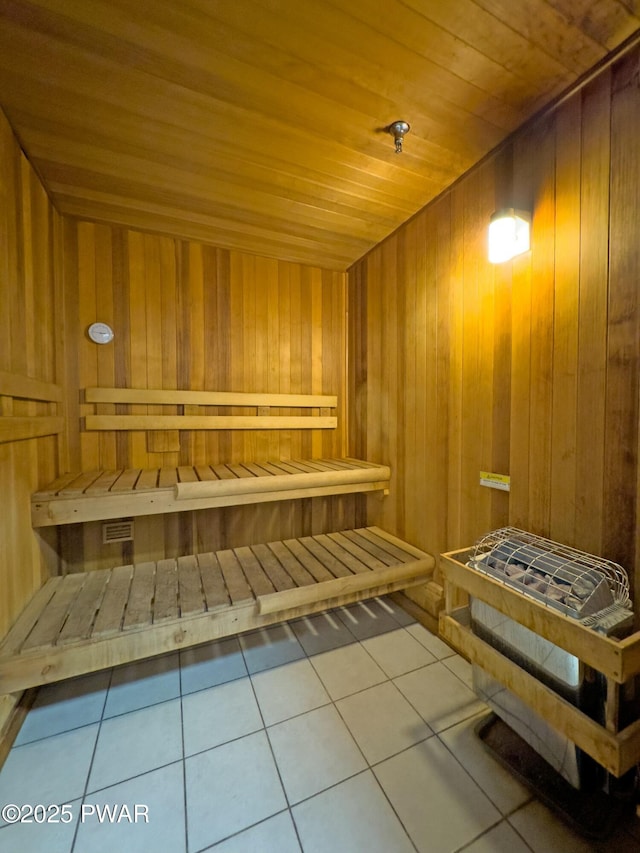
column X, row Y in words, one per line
column 508, row 234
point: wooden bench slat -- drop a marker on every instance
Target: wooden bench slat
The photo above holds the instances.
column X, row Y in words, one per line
column 187, row 474
column 167, row 478
column 109, row 618
column 285, row 553
column 126, row 482
column 376, row 533
column 192, row 599
column 81, row 482
column 239, row 590
column 381, row 549
column 354, row 558
column 370, row 553
column 240, row 471
column 317, row 571
column 45, row 631
column 147, row 480
column 205, row 473
column 324, row 557
column 223, row 472
column 55, row 487
column 272, row 567
column 256, row 470
column 253, row 571
column 138, row 611
column 83, row 611
column 131, row 423
column 165, row 602
column 315, row 465
column 103, row 484
column 270, row 468
column 213, row 585
column 238, row 399
column 29, row 616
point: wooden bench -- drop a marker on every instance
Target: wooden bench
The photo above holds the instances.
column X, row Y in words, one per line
column 80, row 623
column 100, row 495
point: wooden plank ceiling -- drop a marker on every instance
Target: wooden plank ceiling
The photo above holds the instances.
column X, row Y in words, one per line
column 258, row 125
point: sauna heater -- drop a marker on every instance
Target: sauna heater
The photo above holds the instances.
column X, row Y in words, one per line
column 579, row 585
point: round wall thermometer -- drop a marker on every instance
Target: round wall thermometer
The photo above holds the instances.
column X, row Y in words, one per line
column 100, row 333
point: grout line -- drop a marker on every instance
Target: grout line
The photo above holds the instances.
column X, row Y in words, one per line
column 274, row 759
column 489, row 829
column 240, row 831
column 93, row 756
column 184, row 759
column 393, row 809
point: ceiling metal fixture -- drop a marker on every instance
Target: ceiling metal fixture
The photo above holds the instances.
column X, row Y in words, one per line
column 398, row 129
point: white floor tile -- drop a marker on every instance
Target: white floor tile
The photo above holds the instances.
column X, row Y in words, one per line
column 39, row 837
column 353, row 817
column 397, row 652
column 288, row 690
column 382, row 722
column 274, row 835
column 135, row 743
column 367, row 618
column 460, row 667
column 439, row 805
column 500, row 839
column 64, row 706
column 230, row 788
column 220, row 714
column 439, row 696
column 433, row 644
column 502, row 788
column 162, row 792
column 321, row 633
column 313, row 752
column 147, row 682
column 347, row 670
column 48, row 771
column 211, row 664
column 273, row 646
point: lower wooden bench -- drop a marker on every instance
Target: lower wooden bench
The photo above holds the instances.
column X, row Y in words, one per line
column 80, row 623
column 101, row 495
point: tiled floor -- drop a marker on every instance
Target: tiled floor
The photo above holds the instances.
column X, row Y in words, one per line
column 348, row 732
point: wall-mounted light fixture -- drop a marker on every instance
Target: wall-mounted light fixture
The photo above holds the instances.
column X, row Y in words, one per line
column 508, row 234
column 398, row 130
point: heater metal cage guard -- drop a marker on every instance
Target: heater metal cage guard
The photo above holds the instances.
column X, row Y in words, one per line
column 578, row 584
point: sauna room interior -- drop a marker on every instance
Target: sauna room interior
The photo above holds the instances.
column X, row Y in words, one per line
column 258, row 374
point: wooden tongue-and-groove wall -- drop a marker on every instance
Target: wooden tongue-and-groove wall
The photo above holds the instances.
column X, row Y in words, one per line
column 30, row 373
column 529, row 368
column 191, row 316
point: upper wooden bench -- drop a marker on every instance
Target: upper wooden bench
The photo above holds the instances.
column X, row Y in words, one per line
column 100, row 495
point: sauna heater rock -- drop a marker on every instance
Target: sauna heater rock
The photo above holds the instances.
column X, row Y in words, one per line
column 583, row 587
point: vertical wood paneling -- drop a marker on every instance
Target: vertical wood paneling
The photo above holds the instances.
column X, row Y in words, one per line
column 520, row 420
column 623, row 347
column 565, row 326
column 592, row 311
column 191, row 316
column 31, row 345
column 537, row 361
column 542, row 303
